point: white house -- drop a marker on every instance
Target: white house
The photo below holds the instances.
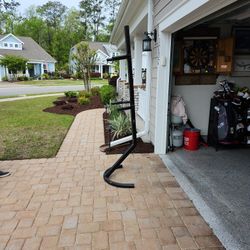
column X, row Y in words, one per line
column 103, row 52
column 221, row 28
column 39, row 60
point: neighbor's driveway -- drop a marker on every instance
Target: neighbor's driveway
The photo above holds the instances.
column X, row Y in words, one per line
column 63, row 202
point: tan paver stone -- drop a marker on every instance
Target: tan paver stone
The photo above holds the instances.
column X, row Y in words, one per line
column 56, row 220
column 15, row 244
column 21, row 233
column 116, row 236
column 171, row 247
column 49, row 242
column 100, row 240
column 49, row 230
column 83, row 239
column 88, row 228
column 187, row 211
column 63, row 203
column 32, row 244
column 67, row 238
column 186, row 242
column 148, row 234
column 8, row 227
column 113, row 225
column 147, row 245
column 208, row 241
column 122, row 246
column 26, row 222
column 70, row 222
column 3, row 241
column 166, row 236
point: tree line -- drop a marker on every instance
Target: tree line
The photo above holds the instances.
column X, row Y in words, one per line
column 56, row 28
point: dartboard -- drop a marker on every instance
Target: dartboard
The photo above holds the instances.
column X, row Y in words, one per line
column 198, row 57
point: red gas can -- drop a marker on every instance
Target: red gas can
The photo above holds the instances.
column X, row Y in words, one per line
column 191, row 138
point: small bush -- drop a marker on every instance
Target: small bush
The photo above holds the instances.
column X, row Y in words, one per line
column 120, row 126
column 107, row 93
column 113, row 110
column 106, row 76
column 95, row 91
column 45, row 76
column 22, row 78
column 84, row 93
column 83, row 100
column 95, row 74
column 5, row 78
column 70, row 94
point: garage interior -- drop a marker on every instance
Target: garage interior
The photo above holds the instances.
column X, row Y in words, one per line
column 206, row 55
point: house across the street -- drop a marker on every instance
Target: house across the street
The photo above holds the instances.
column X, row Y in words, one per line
column 39, row 61
column 103, row 52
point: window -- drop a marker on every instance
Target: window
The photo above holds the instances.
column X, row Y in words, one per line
column 16, row 45
column 11, row 45
column 5, row 44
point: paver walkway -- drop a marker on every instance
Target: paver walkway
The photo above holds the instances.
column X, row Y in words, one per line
column 63, row 202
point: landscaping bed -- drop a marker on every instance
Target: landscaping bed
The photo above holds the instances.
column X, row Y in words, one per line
column 94, row 103
column 141, row 146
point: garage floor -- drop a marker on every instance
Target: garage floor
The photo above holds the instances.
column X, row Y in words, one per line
column 219, row 185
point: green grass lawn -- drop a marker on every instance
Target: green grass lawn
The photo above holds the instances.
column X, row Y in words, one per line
column 28, row 132
column 64, row 82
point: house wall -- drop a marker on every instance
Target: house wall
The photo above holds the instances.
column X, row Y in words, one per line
column 10, row 39
column 2, row 72
column 37, row 69
column 51, row 67
column 161, row 9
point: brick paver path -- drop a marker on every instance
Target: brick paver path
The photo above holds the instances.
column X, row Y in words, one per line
column 63, row 202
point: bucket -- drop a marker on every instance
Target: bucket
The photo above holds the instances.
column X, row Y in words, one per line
column 177, row 136
column 191, row 139
column 176, row 119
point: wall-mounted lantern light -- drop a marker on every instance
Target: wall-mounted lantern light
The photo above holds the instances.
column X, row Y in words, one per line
column 146, row 42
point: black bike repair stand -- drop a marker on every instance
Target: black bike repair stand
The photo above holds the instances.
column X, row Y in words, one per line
column 117, row 164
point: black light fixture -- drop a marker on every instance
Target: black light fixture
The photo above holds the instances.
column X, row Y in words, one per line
column 146, row 42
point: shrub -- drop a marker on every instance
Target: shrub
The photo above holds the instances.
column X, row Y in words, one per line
column 45, row 76
column 106, row 76
column 83, row 100
column 70, row 94
column 113, row 80
column 112, row 110
column 95, row 74
column 95, row 91
column 5, row 78
column 120, row 126
column 22, row 78
column 84, row 93
column 107, row 93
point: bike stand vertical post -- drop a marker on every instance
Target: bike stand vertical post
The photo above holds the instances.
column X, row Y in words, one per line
column 131, row 107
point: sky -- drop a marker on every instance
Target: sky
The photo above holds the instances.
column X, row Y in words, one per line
column 24, row 4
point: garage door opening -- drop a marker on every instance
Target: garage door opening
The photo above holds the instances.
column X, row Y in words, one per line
column 206, row 53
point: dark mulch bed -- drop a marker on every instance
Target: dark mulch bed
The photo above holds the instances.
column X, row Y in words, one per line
column 73, row 108
column 141, row 146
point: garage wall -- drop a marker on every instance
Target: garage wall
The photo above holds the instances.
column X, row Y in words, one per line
column 197, row 99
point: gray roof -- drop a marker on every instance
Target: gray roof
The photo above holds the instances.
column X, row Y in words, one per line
column 96, row 46
column 31, row 50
